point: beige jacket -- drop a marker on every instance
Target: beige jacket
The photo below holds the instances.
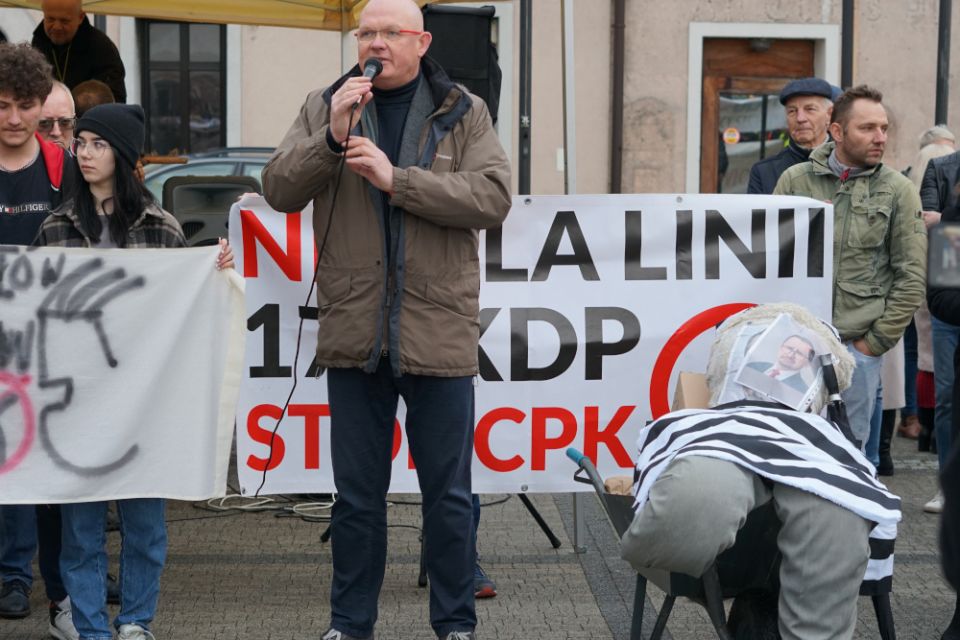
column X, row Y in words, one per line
column 421, row 306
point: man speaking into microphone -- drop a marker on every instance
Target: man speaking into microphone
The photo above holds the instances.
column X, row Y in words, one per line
column 397, row 289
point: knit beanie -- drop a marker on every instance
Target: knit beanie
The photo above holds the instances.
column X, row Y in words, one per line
column 119, row 124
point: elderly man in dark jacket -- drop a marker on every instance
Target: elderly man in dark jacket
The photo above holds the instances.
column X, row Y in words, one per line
column 76, row 50
column 397, row 289
column 809, row 103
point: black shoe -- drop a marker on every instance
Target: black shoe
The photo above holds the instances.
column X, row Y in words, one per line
column 885, row 468
column 113, row 589
column 14, row 600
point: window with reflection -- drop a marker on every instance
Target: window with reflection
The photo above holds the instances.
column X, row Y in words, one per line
column 184, row 87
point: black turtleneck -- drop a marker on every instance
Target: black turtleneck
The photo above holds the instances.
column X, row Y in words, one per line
column 392, row 107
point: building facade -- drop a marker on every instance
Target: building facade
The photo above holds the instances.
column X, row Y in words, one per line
column 700, row 79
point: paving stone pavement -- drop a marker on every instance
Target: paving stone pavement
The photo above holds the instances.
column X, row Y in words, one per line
column 256, row 576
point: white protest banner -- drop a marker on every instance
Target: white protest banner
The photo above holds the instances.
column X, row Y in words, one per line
column 119, row 372
column 590, row 305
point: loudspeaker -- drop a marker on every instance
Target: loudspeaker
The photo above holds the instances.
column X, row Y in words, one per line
column 201, row 204
column 462, row 46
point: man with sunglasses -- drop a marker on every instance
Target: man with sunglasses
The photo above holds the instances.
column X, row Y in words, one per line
column 33, row 173
column 397, row 209
column 58, row 116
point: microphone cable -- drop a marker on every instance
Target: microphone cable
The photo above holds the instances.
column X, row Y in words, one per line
column 313, row 282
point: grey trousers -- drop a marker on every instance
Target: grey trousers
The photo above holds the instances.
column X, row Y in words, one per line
column 698, row 504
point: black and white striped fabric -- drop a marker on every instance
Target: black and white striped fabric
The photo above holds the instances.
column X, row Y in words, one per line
column 796, row 449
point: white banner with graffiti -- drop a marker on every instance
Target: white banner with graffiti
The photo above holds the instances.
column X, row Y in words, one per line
column 590, row 306
column 119, row 372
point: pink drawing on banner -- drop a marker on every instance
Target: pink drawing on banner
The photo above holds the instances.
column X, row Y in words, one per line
column 16, row 387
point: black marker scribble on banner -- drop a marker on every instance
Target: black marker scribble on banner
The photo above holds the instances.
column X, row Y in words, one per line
column 78, row 295
column 75, row 299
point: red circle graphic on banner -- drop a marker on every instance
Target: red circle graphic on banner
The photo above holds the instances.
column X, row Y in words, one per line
column 683, row 336
column 17, row 386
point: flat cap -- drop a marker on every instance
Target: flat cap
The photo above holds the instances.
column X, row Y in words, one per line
column 806, row 87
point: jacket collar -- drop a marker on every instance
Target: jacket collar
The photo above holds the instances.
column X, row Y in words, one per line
column 444, row 92
column 68, row 210
column 819, row 156
column 794, row 149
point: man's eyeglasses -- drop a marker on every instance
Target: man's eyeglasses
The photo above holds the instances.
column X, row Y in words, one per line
column 388, row 35
column 65, row 124
column 94, row 148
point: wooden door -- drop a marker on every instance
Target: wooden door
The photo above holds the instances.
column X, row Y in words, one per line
column 741, row 119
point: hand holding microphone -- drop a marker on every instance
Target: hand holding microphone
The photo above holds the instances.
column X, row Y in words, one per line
column 371, row 69
column 351, row 96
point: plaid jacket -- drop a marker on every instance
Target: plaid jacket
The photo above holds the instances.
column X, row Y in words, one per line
column 154, row 229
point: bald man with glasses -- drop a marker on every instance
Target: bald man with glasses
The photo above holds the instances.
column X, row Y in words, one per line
column 398, row 283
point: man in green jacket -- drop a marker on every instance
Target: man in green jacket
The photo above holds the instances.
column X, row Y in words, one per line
column 397, row 291
column 879, row 241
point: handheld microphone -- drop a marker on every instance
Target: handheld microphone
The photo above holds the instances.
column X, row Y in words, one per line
column 371, row 69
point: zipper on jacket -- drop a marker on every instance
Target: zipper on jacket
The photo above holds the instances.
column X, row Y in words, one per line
column 843, row 242
column 387, row 303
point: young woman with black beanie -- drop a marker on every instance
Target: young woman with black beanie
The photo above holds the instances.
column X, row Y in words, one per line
column 111, row 208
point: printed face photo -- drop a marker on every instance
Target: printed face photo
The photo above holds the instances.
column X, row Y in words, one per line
column 778, row 364
column 795, row 353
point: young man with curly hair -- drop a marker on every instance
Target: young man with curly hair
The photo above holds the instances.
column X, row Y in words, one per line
column 32, row 172
column 31, row 169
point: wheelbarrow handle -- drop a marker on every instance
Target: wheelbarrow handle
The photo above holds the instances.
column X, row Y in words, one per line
column 592, row 476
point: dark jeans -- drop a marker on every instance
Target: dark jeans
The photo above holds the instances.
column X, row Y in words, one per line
column 910, row 370
column 476, row 520
column 439, row 427
column 24, row 528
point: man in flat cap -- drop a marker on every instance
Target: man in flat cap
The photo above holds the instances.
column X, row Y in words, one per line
column 809, row 103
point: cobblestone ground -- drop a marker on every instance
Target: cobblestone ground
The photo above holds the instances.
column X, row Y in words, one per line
column 257, row 576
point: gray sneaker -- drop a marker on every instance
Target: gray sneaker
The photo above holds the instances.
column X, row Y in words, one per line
column 333, row 634
column 61, row 621
column 460, row 635
column 134, row 632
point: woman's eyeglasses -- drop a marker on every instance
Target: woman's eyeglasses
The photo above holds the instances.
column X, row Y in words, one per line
column 94, row 148
column 65, row 124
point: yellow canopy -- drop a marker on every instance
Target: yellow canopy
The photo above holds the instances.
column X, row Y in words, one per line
column 332, row 15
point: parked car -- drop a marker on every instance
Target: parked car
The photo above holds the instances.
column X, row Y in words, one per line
column 228, row 161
